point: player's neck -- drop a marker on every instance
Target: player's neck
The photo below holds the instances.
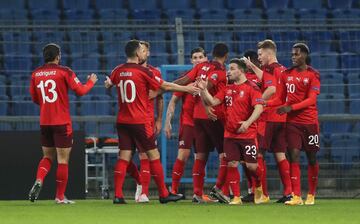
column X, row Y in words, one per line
column 241, row 80
column 132, row 60
column 220, row 60
column 302, row 68
column 272, row 60
column 55, row 62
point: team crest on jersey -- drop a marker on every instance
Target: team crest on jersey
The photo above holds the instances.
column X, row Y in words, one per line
column 306, row 81
column 241, row 93
column 214, row 76
column 290, row 78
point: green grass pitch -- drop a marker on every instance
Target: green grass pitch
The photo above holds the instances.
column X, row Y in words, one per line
column 103, row 211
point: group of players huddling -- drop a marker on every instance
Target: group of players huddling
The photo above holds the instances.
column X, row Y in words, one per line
column 257, row 106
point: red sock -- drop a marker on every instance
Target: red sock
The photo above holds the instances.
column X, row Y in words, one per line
column 198, row 176
column 262, row 165
column 284, row 171
column 249, row 178
column 177, row 173
column 295, row 175
column 226, row 188
column 133, row 171
column 313, row 172
column 119, row 176
column 61, row 180
column 157, row 172
column 233, row 177
column 221, row 178
column 145, row 175
column 43, row 168
column 256, row 176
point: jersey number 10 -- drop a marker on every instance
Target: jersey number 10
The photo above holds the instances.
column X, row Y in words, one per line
column 123, row 85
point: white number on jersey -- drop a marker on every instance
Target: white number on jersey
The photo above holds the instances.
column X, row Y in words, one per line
column 123, row 93
column 228, row 101
column 314, row 140
column 251, row 150
column 290, row 88
column 45, row 96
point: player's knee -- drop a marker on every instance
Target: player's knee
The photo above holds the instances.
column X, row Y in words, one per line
column 233, row 164
column 251, row 166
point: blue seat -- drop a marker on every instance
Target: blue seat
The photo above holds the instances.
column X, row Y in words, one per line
column 210, row 4
column 284, row 40
column 356, row 127
column 336, row 4
column 185, row 14
column 114, row 42
column 331, row 103
column 20, row 87
column 341, row 16
column 354, row 104
column 83, row 42
column 210, row 16
column 109, row 4
column 156, row 40
column 146, row 14
column 23, row 105
column 107, row 15
column 345, row 147
column 354, row 83
column 348, row 41
column 18, row 63
column 332, row 83
column 13, row 4
column 176, row 5
column 329, row 127
column 43, row 38
column 350, row 61
column 13, row 15
column 308, row 4
column 211, row 38
column 16, row 43
column 41, row 16
column 77, row 16
column 157, row 60
column 73, row 104
column 139, row 4
column 319, row 41
column 246, row 40
column 243, row 15
column 275, row 15
column 90, row 64
column 3, row 104
column 191, row 41
column 37, row 4
column 96, row 105
column 82, row 5
column 313, row 16
column 276, row 4
column 5, row 127
column 113, row 60
column 324, row 61
column 236, row 4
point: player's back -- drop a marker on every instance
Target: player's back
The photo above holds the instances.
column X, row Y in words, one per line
column 50, row 88
column 133, row 83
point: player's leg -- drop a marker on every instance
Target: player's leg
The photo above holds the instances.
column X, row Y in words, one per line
column 198, row 174
column 62, row 172
column 233, row 177
column 265, row 136
column 178, row 168
column 251, row 184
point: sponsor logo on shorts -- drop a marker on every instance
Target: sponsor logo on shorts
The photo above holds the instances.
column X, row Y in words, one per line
column 182, row 142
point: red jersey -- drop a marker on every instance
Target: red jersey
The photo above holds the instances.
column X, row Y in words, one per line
column 49, row 87
column 275, row 70
column 151, row 106
column 240, row 101
column 296, row 87
column 268, row 80
column 187, row 109
column 216, row 74
column 133, row 83
column 252, row 77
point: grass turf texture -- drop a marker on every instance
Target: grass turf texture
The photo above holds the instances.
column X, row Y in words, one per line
column 103, row 211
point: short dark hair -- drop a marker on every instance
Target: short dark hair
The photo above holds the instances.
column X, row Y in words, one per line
column 50, row 52
column 220, row 50
column 131, row 47
column 267, row 44
column 240, row 63
column 251, row 54
column 303, row 47
column 198, row 50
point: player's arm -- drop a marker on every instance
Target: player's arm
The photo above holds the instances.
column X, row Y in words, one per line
column 33, row 93
column 160, row 109
column 168, row 86
column 258, row 109
column 207, row 98
column 78, row 87
column 269, row 92
column 258, row 72
column 170, row 114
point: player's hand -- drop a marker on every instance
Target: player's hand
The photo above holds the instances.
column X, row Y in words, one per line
column 210, row 113
column 192, row 89
column 201, row 83
column 284, row 109
column 108, row 83
column 244, row 126
column 93, row 77
column 248, row 62
column 157, row 127
column 168, row 130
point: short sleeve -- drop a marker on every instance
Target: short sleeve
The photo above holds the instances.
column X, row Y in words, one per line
column 221, row 95
column 268, row 80
column 256, row 97
column 315, row 84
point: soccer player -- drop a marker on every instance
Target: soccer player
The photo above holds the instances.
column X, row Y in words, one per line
column 243, row 104
column 300, row 87
column 186, row 130
column 49, row 89
column 209, row 133
column 133, row 82
column 156, row 124
column 274, row 136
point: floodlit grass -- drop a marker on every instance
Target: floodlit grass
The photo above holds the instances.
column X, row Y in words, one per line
column 103, row 211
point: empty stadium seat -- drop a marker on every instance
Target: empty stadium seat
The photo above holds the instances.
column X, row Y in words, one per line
column 13, row 4
column 349, row 61
column 345, row 147
column 156, row 40
column 211, row 38
column 77, row 16
column 332, row 83
column 109, row 4
column 284, row 40
column 176, row 5
column 3, row 104
column 331, row 103
column 319, row 41
column 90, row 64
column 185, row 14
column 336, row 4
column 13, row 15
column 349, row 41
column 16, row 43
column 114, row 42
column 325, row 61
column 39, row 4
column 209, row 4
column 140, row 4
column 308, row 4
column 329, row 127
column 43, row 38
column 277, row 16
column 313, row 16
column 82, row 5
column 41, row 16
column 96, row 105
column 211, row 16
column 146, row 14
column 2, row 85
column 83, row 42
column 276, row 4
column 18, row 63
column 248, row 40
column 73, row 104
column 157, row 60
column 24, row 106
column 107, row 15
column 354, row 103
column 353, row 83
column 236, row 4
column 345, row 16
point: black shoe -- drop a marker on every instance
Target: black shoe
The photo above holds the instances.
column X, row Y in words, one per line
column 119, row 201
column 218, row 194
column 171, row 197
column 35, row 191
column 249, row 198
column 284, row 199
